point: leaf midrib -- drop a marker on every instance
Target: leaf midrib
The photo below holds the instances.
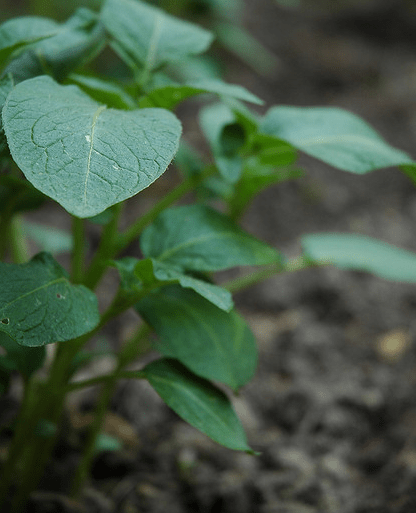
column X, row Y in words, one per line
column 94, row 122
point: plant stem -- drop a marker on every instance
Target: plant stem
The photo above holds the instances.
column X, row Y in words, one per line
column 174, row 195
column 132, row 349
column 78, row 251
column 19, row 249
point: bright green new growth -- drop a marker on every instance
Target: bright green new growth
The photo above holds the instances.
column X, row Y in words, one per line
column 89, row 143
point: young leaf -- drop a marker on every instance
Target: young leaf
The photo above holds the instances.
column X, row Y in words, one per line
column 38, row 305
column 226, row 138
column 198, row 238
column 104, row 91
column 150, row 273
column 362, row 253
column 197, row 402
column 75, row 42
column 214, row 344
column 79, row 153
column 169, row 96
column 334, row 136
column 26, row 360
column 22, row 31
column 149, row 35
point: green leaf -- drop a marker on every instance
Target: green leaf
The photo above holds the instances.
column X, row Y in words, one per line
column 149, row 35
column 213, row 344
column 334, row 136
column 6, row 85
column 104, row 91
column 38, row 305
column 48, row 238
column 75, row 42
column 26, row 360
column 169, row 96
column 197, row 402
column 22, row 31
column 226, row 138
column 362, row 253
column 79, row 153
column 198, row 238
column 150, row 273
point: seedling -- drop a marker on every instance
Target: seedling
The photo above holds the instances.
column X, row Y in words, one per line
column 90, row 143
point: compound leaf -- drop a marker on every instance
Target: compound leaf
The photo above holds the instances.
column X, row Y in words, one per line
column 149, row 35
column 198, row 238
column 212, row 343
column 38, row 304
column 334, row 136
column 197, row 402
column 79, row 153
column 362, row 253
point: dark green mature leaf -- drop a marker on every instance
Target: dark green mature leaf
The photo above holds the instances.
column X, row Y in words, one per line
column 104, row 91
column 169, row 96
column 75, row 42
column 38, row 304
column 359, row 252
column 149, row 35
column 137, row 274
column 22, row 31
column 79, row 153
column 333, row 135
column 212, row 343
column 226, row 138
column 6, row 85
column 26, row 360
column 198, row 238
column 197, row 402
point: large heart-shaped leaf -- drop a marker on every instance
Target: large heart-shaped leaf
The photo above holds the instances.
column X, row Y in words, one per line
column 38, row 304
column 6, row 85
column 212, row 343
column 333, row 135
column 149, row 35
column 362, row 253
column 197, row 402
column 79, row 153
column 136, row 274
column 198, row 238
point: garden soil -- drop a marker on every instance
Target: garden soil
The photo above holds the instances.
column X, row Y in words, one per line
column 332, row 409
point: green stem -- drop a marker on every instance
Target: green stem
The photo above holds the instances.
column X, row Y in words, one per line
column 174, row 195
column 100, row 380
column 78, row 251
column 132, row 349
column 105, row 251
column 243, row 282
column 19, row 249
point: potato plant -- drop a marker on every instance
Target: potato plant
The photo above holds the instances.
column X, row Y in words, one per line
column 89, row 143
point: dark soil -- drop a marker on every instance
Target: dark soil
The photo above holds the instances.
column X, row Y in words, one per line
column 332, row 409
